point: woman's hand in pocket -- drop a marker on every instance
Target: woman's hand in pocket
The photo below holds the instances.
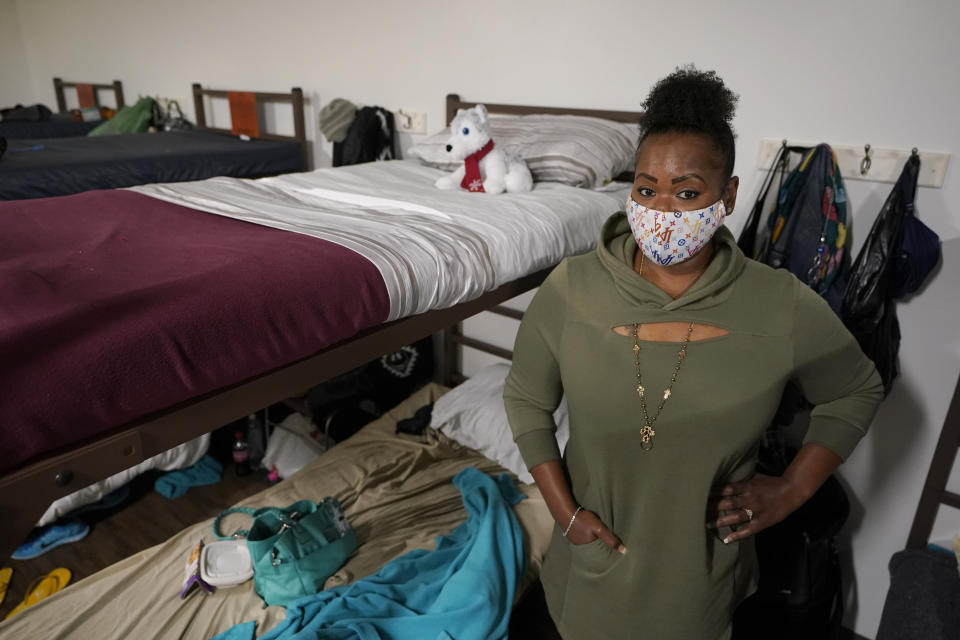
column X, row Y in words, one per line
column 587, row 527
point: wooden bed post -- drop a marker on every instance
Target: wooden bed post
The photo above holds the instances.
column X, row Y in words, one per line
column 452, row 342
column 299, row 126
column 61, row 100
column 118, row 94
column 449, row 355
column 198, row 106
column 453, row 102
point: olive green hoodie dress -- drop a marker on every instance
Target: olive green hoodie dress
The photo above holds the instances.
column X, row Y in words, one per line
column 678, row 580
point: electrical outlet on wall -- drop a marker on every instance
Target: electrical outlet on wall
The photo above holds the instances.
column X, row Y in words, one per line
column 410, row 121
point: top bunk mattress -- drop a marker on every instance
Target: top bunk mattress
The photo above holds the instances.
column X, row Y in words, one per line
column 115, row 305
column 44, row 167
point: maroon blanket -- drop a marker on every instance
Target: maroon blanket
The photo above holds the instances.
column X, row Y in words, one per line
column 114, row 305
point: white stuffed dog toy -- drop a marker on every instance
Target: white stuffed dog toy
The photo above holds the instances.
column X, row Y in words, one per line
column 484, row 168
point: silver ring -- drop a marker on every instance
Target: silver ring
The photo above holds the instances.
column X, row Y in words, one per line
column 749, row 513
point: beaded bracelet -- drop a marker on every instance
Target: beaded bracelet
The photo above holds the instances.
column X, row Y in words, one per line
column 572, row 518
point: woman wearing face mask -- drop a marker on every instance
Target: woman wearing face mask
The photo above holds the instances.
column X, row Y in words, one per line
column 673, row 350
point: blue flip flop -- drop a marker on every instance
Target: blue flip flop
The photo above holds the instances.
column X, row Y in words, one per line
column 50, row 537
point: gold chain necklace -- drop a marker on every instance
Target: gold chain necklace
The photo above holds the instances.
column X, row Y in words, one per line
column 647, row 433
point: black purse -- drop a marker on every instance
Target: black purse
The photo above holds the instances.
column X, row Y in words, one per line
column 174, row 120
column 748, row 236
column 896, row 258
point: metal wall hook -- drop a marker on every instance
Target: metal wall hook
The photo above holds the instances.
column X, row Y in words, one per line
column 406, row 117
column 870, row 163
column 865, row 163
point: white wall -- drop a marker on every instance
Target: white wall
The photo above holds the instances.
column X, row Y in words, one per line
column 15, row 85
column 879, row 72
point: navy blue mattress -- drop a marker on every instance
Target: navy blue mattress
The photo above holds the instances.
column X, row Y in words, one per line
column 60, row 125
column 45, row 167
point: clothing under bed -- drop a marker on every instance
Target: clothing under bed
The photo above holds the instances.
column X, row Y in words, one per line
column 397, row 493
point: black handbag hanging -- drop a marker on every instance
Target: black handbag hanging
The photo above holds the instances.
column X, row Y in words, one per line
column 748, row 236
column 896, row 257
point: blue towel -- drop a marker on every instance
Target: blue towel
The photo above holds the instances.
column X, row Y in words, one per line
column 462, row 590
column 174, row 484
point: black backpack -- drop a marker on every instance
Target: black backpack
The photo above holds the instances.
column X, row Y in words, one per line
column 806, row 230
column 371, row 136
column 34, row 113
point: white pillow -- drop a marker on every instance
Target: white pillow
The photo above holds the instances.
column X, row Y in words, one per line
column 473, row 414
column 577, row 150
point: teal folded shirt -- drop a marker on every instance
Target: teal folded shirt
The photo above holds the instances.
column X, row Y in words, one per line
column 176, row 483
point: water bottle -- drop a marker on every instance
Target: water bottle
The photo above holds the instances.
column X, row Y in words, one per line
column 241, row 458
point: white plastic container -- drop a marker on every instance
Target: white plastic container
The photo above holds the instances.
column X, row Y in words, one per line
column 226, row 563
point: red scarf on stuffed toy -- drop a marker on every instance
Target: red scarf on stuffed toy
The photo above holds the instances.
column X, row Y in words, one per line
column 471, row 177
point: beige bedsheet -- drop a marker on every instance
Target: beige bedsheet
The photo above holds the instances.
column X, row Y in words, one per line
column 397, row 494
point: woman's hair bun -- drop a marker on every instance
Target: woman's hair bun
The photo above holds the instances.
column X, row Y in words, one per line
column 689, row 97
column 692, row 100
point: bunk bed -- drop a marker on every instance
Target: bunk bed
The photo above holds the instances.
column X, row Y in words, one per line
column 925, row 581
column 77, row 457
column 44, row 167
column 62, row 123
column 396, row 487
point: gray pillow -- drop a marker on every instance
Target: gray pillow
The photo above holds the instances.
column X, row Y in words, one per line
column 576, row 150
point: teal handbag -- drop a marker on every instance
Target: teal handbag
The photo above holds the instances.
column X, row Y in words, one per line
column 295, row 549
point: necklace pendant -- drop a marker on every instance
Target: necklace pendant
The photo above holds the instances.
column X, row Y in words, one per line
column 640, row 390
column 646, row 437
column 666, row 393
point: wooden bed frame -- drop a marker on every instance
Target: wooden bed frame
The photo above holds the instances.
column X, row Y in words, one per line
column 59, row 85
column 27, row 491
column 295, row 98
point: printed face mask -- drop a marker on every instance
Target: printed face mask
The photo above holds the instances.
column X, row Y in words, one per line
column 671, row 237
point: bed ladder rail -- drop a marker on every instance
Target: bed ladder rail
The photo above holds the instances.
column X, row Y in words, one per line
column 935, row 491
column 452, row 339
